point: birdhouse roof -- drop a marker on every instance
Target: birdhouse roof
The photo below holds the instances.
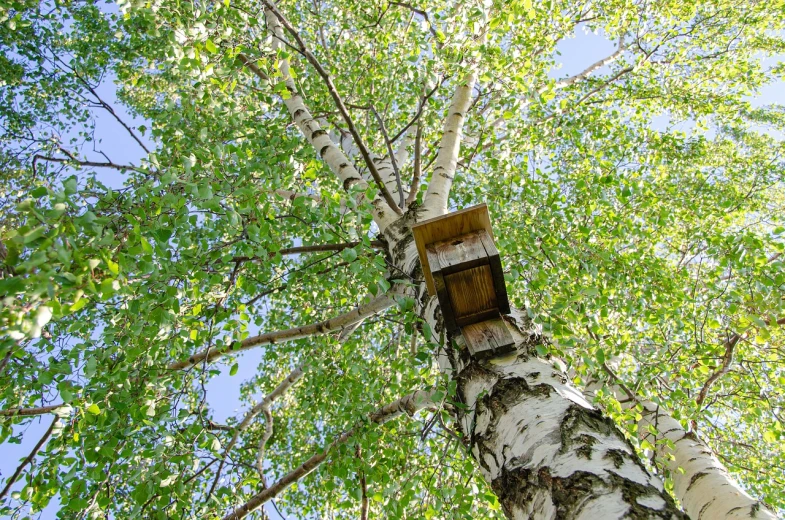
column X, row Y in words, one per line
column 446, row 227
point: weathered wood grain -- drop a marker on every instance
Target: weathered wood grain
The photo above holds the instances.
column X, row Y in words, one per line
column 445, row 227
column 488, row 338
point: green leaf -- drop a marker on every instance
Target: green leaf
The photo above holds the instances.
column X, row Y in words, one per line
column 349, row 255
column 34, row 234
column 210, row 46
column 234, row 369
column 78, row 305
column 94, row 409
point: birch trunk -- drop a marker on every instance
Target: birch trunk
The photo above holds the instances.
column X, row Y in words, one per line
column 701, row 482
column 545, row 450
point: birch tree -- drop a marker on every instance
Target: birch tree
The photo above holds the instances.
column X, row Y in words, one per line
column 287, row 149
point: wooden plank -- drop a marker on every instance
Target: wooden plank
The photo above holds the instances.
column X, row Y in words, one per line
column 497, row 272
column 488, row 338
column 477, row 317
column 471, row 291
column 477, row 341
column 441, row 292
column 462, row 252
column 445, row 227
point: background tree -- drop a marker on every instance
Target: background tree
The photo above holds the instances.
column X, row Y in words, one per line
column 637, row 206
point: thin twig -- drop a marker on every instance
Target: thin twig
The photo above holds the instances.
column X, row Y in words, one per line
column 28, row 459
column 417, row 169
column 252, row 67
column 309, row 249
column 409, row 405
column 393, row 160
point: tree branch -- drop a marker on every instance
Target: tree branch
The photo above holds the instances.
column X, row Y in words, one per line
column 436, row 198
column 323, row 327
column 32, row 412
column 409, row 405
column 592, row 68
column 253, row 67
column 393, row 159
column 72, row 159
column 419, row 110
column 28, row 459
column 414, row 188
column 274, row 16
column 322, row 143
column 724, row 367
column 262, row 407
column 287, row 251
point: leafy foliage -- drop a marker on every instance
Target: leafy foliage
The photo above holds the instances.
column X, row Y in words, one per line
column 638, row 209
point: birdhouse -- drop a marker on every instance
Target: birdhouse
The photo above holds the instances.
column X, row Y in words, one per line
column 462, row 268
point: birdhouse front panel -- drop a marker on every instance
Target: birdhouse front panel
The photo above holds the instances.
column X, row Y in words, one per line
column 472, row 295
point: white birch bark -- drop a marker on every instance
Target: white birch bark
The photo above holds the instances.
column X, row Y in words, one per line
column 701, row 482
column 437, row 196
column 705, row 488
column 319, row 138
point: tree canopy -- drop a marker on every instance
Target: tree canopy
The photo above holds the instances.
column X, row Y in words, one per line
column 637, row 206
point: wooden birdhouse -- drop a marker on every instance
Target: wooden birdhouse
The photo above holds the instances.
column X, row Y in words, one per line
column 462, row 268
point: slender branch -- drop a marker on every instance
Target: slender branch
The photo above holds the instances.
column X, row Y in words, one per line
column 111, row 111
column 363, row 489
column 287, row 251
column 425, row 16
column 262, row 407
column 32, row 412
column 271, row 8
column 724, row 367
column 28, row 459
column 93, row 164
column 409, row 405
column 253, row 67
column 291, row 195
column 592, row 68
column 436, row 198
column 419, row 110
column 414, row 188
column 393, row 159
column 268, row 433
column 323, row 327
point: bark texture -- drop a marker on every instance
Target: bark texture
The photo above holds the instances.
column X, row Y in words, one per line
column 545, row 450
column 318, row 137
column 438, row 194
column 702, row 483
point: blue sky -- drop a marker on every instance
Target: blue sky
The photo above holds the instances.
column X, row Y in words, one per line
column 224, row 390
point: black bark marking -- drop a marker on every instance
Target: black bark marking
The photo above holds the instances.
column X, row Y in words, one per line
column 518, row 488
column 349, row 182
column 695, row 478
